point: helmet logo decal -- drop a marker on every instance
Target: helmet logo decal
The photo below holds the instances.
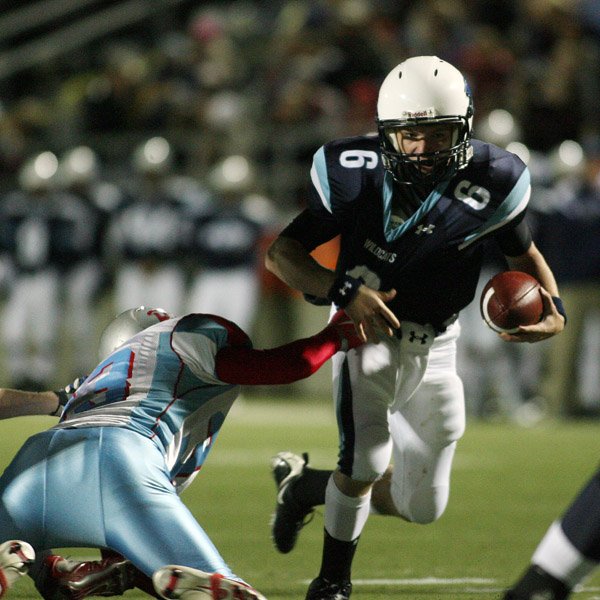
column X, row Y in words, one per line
column 426, row 113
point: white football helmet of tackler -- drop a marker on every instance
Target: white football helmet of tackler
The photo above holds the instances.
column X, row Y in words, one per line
column 125, row 325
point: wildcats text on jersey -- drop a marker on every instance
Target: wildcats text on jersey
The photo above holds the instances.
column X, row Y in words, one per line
column 379, row 252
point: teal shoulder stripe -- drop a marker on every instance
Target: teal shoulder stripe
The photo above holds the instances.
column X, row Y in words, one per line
column 318, row 175
column 515, row 203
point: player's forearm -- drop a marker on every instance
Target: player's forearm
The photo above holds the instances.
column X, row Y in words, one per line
column 534, row 263
column 294, row 265
column 19, row 403
column 284, row 364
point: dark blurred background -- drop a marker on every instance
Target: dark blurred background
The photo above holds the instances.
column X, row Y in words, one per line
column 150, row 149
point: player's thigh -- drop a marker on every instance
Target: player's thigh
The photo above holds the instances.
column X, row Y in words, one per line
column 15, row 318
column 363, row 387
column 425, row 431
column 144, row 518
column 50, row 491
column 160, row 532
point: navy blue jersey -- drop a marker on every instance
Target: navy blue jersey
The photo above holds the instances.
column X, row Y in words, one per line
column 429, row 251
column 156, row 228
column 45, row 231
column 226, row 238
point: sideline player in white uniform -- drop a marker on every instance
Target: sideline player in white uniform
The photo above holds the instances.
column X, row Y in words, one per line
column 135, row 432
column 225, row 245
column 411, row 206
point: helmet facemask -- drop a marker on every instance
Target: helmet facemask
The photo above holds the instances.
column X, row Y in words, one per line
column 426, row 169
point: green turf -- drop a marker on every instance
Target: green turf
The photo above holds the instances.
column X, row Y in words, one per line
column 508, row 484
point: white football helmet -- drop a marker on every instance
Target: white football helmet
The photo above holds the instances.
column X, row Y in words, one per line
column 78, row 166
column 38, row 173
column 125, row 325
column 153, row 157
column 425, row 90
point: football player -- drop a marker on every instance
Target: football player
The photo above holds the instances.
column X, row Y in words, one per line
column 131, row 437
column 147, row 238
column 412, row 205
column 568, row 553
column 40, row 230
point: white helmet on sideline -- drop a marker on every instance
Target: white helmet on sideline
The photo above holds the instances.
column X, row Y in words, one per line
column 125, row 325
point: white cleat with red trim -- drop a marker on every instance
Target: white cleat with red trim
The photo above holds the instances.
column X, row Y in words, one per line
column 172, row 582
column 15, row 558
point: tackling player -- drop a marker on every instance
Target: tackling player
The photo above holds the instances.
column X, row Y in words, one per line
column 133, row 435
column 413, row 206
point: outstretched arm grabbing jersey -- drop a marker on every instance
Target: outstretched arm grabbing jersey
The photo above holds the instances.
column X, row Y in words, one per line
column 239, row 365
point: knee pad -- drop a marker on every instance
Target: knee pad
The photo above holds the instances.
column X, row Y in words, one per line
column 423, row 506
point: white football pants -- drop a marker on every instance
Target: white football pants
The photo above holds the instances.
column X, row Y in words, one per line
column 402, row 399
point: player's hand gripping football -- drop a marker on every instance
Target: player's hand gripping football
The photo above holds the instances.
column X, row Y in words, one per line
column 370, row 314
column 551, row 324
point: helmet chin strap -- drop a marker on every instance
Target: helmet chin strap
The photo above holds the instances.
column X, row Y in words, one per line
column 408, row 174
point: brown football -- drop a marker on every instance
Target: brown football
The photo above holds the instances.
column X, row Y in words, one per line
column 510, row 299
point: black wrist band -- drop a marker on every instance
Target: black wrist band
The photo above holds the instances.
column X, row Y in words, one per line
column 343, row 290
column 560, row 307
column 63, row 398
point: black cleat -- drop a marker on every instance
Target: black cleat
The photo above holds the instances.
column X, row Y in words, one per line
column 323, row 589
column 290, row 515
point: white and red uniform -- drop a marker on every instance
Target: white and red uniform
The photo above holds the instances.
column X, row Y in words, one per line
column 140, row 426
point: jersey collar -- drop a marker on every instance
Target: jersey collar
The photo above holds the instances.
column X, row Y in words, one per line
column 393, row 233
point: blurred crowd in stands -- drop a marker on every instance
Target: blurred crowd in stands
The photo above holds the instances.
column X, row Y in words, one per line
column 151, row 167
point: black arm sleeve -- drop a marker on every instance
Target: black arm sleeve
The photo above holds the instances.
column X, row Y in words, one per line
column 311, row 230
column 515, row 239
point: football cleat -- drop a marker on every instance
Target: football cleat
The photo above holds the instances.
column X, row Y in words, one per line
column 65, row 579
column 191, row 584
column 15, row 558
column 290, row 515
column 323, row 589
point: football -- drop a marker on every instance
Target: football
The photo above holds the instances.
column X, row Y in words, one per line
column 510, row 299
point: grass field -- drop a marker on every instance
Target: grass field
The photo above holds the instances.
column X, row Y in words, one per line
column 508, row 484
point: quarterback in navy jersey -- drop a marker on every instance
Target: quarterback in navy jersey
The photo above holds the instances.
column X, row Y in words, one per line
column 430, row 256
column 412, row 206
